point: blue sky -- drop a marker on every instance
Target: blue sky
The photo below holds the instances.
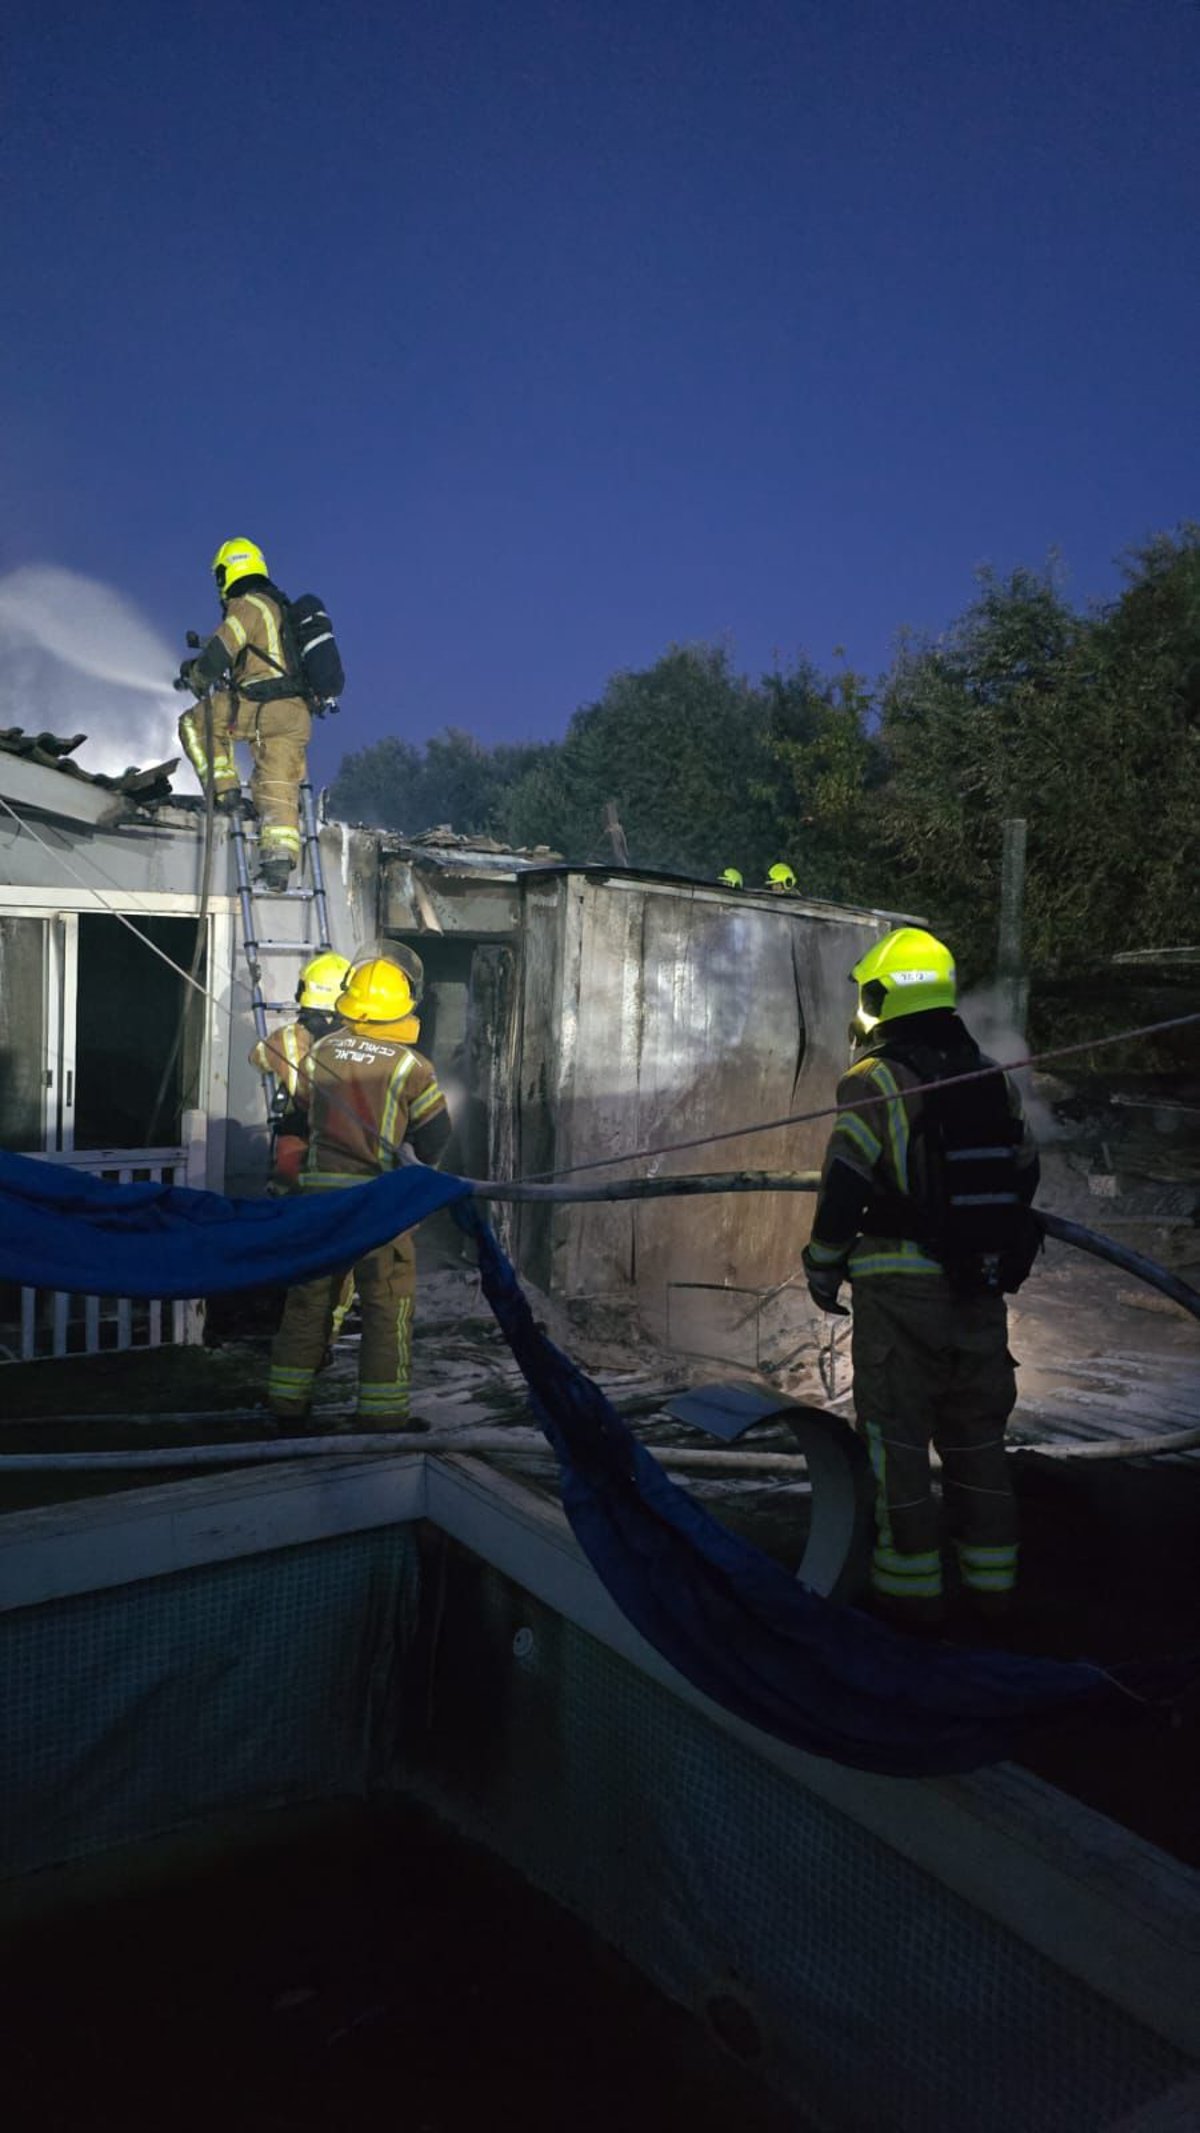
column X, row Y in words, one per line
column 538, row 336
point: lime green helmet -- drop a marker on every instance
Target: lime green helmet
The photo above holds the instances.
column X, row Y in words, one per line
column 906, row 973
column 322, row 980
column 731, row 878
column 780, row 876
column 238, row 559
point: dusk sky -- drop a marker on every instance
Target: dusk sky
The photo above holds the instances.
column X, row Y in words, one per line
column 536, row 337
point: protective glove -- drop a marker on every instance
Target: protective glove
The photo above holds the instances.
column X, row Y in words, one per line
column 823, row 1285
column 187, row 678
column 290, row 1152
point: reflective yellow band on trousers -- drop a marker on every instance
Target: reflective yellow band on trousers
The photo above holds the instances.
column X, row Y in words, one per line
column 987, row 1569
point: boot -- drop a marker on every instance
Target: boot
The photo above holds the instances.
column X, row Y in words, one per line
column 274, row 868
column 231, row 802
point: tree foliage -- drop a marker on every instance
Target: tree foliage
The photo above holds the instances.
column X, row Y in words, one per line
column 453, row 779
column 682, row 749
column 1084, row 725
column 826, row 766
column 1087, row 725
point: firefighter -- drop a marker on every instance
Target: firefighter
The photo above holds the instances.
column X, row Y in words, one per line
column 248, row 670
column 285, row 1050
column 924, row 1205
column 283, row 1054
column 367, row 1091
column 780, row 878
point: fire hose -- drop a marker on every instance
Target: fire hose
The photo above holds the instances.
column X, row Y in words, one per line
column 1059, row 1227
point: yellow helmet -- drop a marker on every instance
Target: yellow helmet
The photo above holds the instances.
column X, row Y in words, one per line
column 238, row 559
column 731, row 878
column 321, row 981
column 780, row 876
column 906, row 973
column 378, row 993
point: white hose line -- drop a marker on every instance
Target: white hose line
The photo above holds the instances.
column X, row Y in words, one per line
column 520, row 1443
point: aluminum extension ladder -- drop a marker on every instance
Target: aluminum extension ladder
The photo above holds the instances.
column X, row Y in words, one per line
column 310, row 892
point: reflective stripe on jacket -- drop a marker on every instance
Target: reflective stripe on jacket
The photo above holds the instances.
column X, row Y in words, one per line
column 250, row 645
column 283, row 1054
column 874, row 1151
column 365, row 1096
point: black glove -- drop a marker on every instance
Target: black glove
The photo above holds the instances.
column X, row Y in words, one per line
column 823, row 1285
column 187, row 678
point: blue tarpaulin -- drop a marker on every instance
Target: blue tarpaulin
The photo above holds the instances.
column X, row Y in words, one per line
column 65, row 1229
column 732, row 1621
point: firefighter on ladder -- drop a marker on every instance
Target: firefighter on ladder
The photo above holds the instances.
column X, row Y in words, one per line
column 250, row 690
column 924, row 1205
column 283, row 1054
column 368, row 1091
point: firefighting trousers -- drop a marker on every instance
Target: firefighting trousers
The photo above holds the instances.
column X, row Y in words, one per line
column 932, row 1367
column 278, row 737
column 386, row 1280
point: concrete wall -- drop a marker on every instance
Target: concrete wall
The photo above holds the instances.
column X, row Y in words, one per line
column 656, row 1012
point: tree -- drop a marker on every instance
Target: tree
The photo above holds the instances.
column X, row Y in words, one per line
column 373, row 783
column 819, row 735
column 682, row 748
column 965, row 720
column 454, row 780
column 1088, row 726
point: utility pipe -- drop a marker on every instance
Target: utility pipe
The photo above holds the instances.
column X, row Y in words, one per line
column 522, row 1443
column 654, row 1188
column 1067, row 1232
column 681, row 1458
column 1148, row 1270
column 1058, row 1226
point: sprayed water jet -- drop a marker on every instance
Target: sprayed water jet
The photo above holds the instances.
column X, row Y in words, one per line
column 76, row 655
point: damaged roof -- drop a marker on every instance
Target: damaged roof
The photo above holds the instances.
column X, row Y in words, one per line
column 49, row 751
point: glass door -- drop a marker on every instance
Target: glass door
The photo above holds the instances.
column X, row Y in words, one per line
column 38, row 964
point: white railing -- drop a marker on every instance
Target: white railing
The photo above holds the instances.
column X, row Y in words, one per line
column 57, row 1322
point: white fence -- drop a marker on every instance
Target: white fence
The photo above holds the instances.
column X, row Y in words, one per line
column 55, row 1322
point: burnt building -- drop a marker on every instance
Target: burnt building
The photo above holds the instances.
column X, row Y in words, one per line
column 577, row 1015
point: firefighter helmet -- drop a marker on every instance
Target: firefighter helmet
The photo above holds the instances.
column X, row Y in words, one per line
column 906, row 973
column 780, row 876
column 238, row 559
column 410, row 963
column 377, row 994
column 730, row 878
column 321, row 981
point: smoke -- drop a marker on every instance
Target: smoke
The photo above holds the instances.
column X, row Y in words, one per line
column 986, row 1014
column 75, row 657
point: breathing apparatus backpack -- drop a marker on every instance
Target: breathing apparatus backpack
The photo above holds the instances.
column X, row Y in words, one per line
column 318, row 657
column 965, row 1205
column 314, row 664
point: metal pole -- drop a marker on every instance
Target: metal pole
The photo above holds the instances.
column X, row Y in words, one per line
column 1013, row 984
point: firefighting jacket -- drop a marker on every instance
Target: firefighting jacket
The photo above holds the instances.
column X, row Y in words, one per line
column 283, row 1054
column 365, row 1097
column 877, row 1156
column 251, row 647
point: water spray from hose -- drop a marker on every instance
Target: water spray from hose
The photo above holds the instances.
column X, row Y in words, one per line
column 75, row 655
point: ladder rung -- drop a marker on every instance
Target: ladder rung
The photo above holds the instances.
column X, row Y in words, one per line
column 296, row 896
column 283, row 947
